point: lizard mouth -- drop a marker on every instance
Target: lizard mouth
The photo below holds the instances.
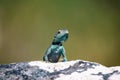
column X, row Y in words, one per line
column 65, row 37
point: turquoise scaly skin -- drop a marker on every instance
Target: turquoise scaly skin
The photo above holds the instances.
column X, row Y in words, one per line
column 57, row 49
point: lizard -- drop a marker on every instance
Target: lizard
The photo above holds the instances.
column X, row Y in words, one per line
column 56, row 49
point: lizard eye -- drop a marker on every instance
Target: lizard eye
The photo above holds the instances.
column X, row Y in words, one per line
column 58, row 32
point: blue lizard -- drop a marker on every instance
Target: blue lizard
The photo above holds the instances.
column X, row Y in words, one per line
column 56, row 49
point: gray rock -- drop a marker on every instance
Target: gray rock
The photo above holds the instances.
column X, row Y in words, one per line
column 71, row 70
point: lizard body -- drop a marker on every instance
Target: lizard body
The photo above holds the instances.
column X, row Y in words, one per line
column 56, row 49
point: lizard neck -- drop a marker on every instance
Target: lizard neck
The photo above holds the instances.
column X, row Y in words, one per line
column 57, row 43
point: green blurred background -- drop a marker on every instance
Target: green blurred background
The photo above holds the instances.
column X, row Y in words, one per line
column 27, row 28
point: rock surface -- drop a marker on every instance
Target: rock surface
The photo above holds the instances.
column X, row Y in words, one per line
column 71, row 70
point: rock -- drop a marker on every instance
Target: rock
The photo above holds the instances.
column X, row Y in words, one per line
column 71, row 70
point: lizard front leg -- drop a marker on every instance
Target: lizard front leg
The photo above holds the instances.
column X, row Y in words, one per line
column 45, row 58
column 64, row 54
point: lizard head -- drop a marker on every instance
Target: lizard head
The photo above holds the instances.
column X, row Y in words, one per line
column 61, row 36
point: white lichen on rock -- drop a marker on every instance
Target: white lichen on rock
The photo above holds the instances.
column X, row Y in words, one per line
column 70, row 70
